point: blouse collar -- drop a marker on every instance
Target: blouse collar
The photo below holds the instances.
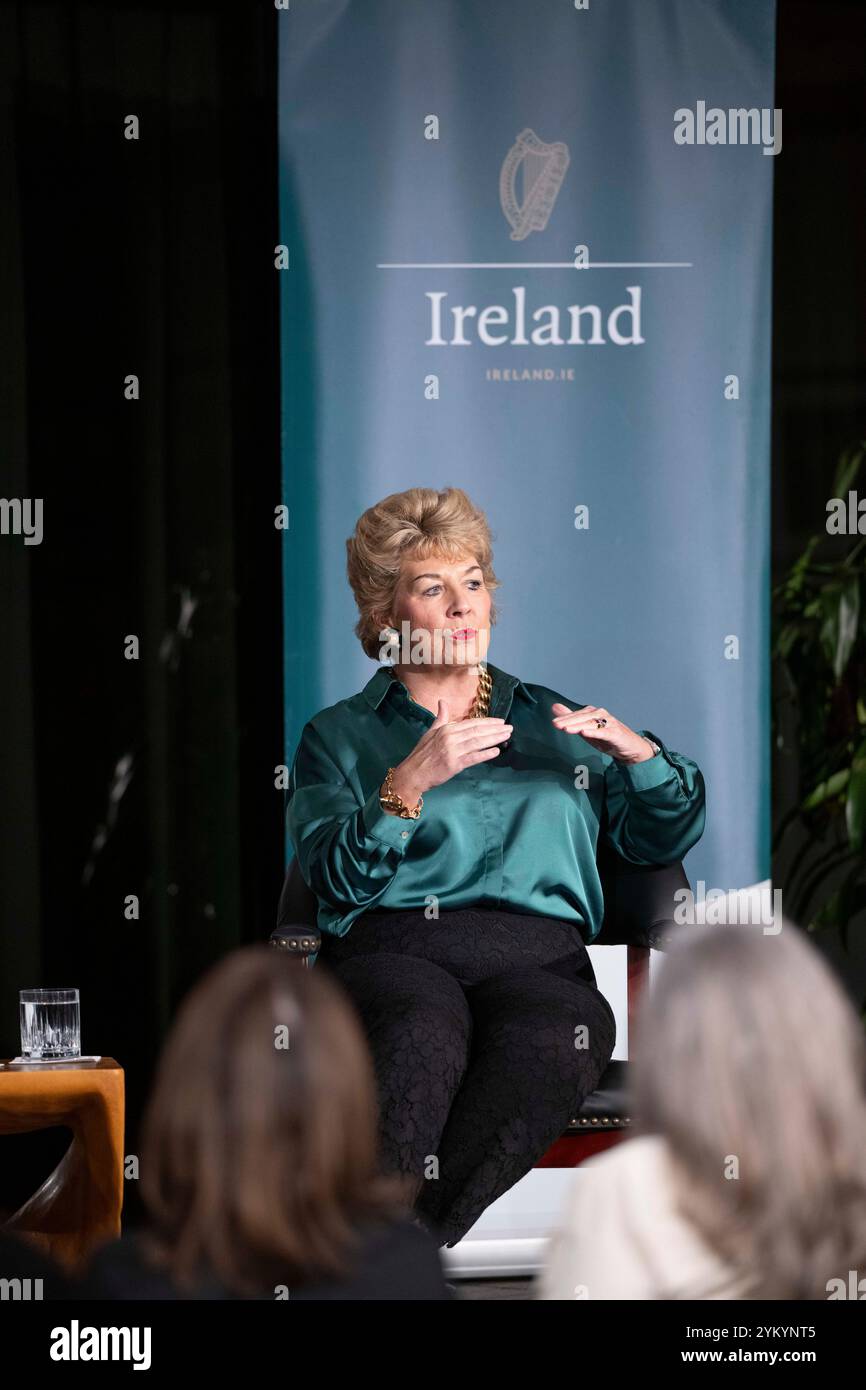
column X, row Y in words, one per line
column 504, row 685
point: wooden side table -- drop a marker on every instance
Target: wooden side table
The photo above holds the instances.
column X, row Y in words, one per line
column 78, row 1206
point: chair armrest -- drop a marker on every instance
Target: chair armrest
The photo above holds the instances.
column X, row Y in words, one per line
column 659, row 935
column 300, row 940
column 640, row 902
column 296, row 930
column 609, row 1106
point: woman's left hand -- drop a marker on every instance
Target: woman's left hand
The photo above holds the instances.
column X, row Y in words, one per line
column 611, row 737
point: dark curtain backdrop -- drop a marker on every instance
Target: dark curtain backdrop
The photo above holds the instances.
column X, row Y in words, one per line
column 151, row 257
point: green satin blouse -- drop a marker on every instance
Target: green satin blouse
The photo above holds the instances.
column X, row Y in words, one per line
column 517, row 832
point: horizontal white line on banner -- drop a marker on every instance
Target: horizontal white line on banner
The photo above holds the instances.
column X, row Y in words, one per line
column 534, row 265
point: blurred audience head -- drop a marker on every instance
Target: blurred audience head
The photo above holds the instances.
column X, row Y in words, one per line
column 259, row 1155
column 751, row 1062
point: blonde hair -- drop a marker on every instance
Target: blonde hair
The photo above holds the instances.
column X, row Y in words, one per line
column 748, row 1048
column 418, row 524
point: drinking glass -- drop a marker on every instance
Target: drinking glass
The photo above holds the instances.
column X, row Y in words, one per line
column 50, row 1024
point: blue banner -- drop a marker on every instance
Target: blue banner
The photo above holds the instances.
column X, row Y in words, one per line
column 526, row 252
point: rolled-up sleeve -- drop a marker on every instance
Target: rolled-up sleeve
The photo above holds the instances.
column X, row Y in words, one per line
column 656, row 809
column 348, row 848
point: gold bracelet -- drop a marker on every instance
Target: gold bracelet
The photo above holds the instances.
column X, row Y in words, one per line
column 389, row 800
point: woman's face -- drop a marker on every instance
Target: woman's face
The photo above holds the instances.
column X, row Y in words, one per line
column 434, row 597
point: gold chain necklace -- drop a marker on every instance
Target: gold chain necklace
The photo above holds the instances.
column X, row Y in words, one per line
column 480, row 707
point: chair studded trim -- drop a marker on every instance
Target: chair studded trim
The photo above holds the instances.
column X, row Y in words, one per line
column 302, row 942
column 600, row 1122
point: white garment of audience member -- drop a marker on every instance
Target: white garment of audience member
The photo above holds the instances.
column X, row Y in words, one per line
column 620, row 1235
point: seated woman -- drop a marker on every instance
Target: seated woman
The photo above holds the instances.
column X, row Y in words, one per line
column 447, row 818
column 259, row 1165
column 747, row 1175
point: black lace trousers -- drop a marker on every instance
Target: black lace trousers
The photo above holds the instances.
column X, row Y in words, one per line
column 487, row 1031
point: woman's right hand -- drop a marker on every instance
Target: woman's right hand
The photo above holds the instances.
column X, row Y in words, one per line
column 445, row 749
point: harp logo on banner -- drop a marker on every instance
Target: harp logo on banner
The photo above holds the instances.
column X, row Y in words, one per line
column 539, row 169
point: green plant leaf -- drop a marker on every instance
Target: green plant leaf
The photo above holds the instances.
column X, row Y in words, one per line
column 824, row 790
column 855, row 804
column 796, row 577
column 840, row 609
column 842, row 906
column 787, row 638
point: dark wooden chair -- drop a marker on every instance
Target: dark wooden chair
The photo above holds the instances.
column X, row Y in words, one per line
column 639, row 904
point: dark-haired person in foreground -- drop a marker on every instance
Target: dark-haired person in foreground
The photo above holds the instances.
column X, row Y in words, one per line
column 259, row 1166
